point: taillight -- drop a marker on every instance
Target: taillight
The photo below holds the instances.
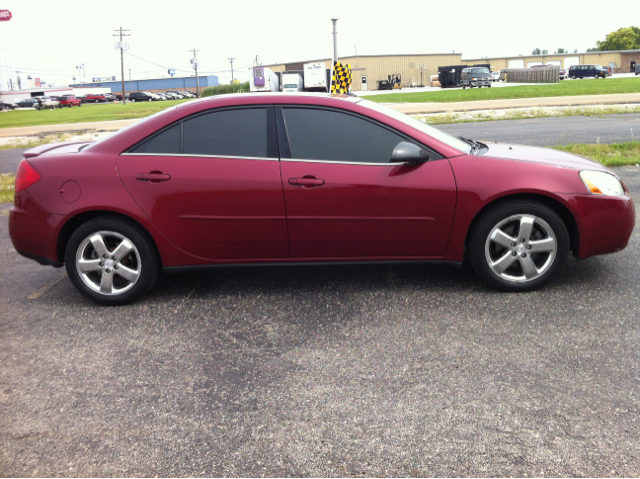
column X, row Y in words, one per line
column 27, row 175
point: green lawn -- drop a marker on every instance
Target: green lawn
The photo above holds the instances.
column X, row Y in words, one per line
column 86, row 113
column 619, row 154
column 564, row 88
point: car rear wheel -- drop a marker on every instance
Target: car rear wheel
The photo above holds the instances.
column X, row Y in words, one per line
column 518, row 245
column 111, row 261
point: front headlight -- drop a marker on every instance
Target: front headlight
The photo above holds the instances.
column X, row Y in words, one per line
column 473, row 79
column 600, row 183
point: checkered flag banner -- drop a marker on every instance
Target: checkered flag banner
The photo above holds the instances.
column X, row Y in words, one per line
column 341, row 80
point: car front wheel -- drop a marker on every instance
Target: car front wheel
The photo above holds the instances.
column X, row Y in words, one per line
column 518, row 245
column 111, row 261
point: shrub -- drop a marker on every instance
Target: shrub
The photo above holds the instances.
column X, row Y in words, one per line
column 222, row 89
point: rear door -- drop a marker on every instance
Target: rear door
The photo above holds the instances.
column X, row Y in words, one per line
column 345, row 200
column 211, row 184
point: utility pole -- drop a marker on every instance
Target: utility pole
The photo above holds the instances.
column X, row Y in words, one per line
column 130, row 89
column 231, row 60
column 194, row 62
column 335, row 51
column 121, row 33
column 257, row 64
column 19, row 83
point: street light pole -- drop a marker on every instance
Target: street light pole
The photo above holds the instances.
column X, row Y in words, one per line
column 335, row 51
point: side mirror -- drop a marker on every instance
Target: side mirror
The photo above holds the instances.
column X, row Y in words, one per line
column 409, row 153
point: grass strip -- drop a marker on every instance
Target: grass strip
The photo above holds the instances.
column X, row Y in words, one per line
column 617, row 154
column 524, row 113
column 86, row 113
column 7, row 188
column 606, row 86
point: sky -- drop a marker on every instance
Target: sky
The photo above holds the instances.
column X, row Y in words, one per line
column 48, row 40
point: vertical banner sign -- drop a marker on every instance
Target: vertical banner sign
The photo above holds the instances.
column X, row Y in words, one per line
column 5, row 15
column 341, row 80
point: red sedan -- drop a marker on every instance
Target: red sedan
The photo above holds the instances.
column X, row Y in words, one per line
column 276, row 178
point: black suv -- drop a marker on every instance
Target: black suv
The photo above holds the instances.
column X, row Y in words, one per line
column 475, row 76
column 140, row 96
column 586, row 71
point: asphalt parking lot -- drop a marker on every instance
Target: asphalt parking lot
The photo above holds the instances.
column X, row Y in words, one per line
column 410, row 370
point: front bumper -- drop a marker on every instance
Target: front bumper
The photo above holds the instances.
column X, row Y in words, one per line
column 605, row 222
column 480, row 83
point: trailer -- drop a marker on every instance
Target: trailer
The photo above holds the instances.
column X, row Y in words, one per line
column 291, row 82
column 263, row 79
column 316, row 77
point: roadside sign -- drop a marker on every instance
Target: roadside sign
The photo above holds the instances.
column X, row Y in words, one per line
column 5, row 15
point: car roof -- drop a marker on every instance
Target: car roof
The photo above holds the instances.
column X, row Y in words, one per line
column 277, row 97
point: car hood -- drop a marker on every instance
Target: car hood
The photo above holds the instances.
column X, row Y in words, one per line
column 546, row 156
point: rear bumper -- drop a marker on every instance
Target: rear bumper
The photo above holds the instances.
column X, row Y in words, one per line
column 33, row 231
column 605, row 222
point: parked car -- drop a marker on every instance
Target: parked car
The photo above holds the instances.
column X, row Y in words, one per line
column 95, row 98
column 28, row 103
column 46, row 102
column 5, row 105
column 475, row 77
column 110, row 97
column 69, row 101
column 563, row 74
column 202, row 185
column 495, row 76
column 586, row 71
column 140, row 96
column 637, row 69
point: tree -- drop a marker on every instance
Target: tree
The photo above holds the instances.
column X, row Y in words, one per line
column 594, row 49
column 545, row 52
column 562, row 50
column 621, row 39
column 536, row 51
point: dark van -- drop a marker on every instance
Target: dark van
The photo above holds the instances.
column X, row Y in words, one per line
column 637, row 69
column 587, row 71
column 475, row 76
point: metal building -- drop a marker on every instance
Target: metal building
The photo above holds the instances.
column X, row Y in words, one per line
column 156, row 84
column 367, row 70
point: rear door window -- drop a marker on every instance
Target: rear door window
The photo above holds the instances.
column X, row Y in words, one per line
column 238, row 133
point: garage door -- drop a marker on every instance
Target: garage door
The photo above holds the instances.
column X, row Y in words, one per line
column 516, row 63
column 569, row 61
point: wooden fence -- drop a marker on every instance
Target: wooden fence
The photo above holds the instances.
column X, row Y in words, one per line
column 532, row 75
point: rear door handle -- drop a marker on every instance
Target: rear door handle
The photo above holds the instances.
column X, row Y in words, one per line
column 153, row 177
column 306, row 182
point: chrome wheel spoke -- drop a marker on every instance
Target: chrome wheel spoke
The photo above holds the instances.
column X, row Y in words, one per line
column 127, row 273
column 547, row 245
column 526, row 225
column 503, row 263
column 88, row 265
column 123, row 249
column 98, row 245
column 503, row 239
column 106, row 283
column 529, row 269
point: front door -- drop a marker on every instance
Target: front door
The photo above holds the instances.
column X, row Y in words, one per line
column 633, row 67
column 363, row 83
column 345, row 200
column 212, row 185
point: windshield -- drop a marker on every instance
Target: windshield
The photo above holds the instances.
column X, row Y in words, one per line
column 445, row 138
column 291, row 85
column 480, row 70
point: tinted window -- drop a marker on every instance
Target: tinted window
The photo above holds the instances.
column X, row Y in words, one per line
column 228, row 133
column 481, row 70
column 334, row 136
column 167, row 142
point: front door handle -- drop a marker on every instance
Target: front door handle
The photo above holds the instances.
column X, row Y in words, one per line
column 307, row 181
column 153, row 177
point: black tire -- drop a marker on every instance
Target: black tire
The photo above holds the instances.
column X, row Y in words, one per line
column 80, row 104
column 140, row 262
column 507, row 218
